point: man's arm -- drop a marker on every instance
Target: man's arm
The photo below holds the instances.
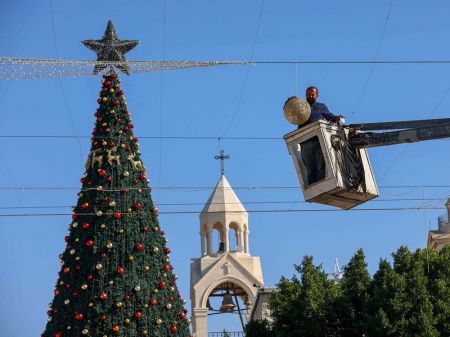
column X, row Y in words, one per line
column 328, row 115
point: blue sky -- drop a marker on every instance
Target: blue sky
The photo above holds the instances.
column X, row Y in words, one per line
column 202, row 102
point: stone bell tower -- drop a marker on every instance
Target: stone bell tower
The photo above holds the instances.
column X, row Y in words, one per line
column 225, row 267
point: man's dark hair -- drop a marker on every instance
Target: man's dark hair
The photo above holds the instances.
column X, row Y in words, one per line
column 311, row 88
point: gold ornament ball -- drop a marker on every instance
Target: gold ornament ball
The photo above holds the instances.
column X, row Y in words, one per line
column 155, row 249
column 131, row 258
column 85, row 331
column 121, row 231
column 77, row 239
column 127, row 321
column 164, row 275
column 126, row 174
column 90, row 305
column 112, row 203
column 98, row 266
column 104, row 143
column 112, row 111
column 146, row 268
column 169, row 306
column 111, row 90
column 111, row 282
column 84, row 286
column 145, row 305
column 137, row 288
column 104, row 99
column 130, row 138
column 109, row 245
column 49, row 319
column 167, row 259
column 175, row 276
column 66, row 302
column 77, row 258
column 188, row 320
column 172, row 289
column 183, row 301
column 129, row 210
column 120, row 132
column 69, row 327
column 139, row 190
column 104, row 124
column 119, row 304
column 99, row 213
column 156, row 290
column 145, row 332
column 159, row 321
column 155, row 229
column 103, row 226
column 137, row 152
column 61, row 283
column 75, row 224
column 100, row 188
column 123, row 146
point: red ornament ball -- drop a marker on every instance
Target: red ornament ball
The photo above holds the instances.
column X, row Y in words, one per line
column 182, row 315
column 86, row 225
column 120, row 270
column 74, row 217
column 103, row 255
column 103, row 317
column 153, row 301
column 89, row 243
column 137, row 314
column 162, row 284
column 139, row 246
column 66, row 270
column 171, row 298
column 117, row 215
column 102, row 173
column 89, row 277
column 85, row 205
column 142, row 177
column 103, row 296
column 168, row 250
column 137, row 205
column 109, row 179
column 66, row 238
column 166, row 267
column 173, row 329
column 57, row 334
column 79, row 316
column 116, row 102
column 115, row 328
column 145, row 229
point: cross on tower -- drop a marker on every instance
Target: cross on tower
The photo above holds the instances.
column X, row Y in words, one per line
column 222, row 157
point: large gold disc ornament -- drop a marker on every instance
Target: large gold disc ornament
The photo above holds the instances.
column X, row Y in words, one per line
column 297, row 110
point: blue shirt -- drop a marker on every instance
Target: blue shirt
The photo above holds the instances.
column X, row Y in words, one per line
column 318, row 111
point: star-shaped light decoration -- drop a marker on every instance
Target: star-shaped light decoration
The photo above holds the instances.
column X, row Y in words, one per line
column 111, row 49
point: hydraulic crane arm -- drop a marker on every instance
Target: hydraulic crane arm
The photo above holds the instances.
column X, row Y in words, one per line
column 413, row 131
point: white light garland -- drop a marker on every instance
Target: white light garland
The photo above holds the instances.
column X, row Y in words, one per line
column 26, row 68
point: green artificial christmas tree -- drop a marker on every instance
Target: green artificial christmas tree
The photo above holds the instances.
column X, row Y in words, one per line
column 116, row 278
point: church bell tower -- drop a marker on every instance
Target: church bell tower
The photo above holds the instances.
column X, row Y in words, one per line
column 225, row 267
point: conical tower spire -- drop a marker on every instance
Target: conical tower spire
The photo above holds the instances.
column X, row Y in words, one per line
column 116, row 278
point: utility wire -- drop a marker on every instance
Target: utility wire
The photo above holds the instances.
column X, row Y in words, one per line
column 194, row 188
column 394, row 209
column 66, row 103
column 244, row 85
column 230, row 203
column 375, row 58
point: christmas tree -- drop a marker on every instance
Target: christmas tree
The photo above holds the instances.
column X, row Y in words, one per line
column 116, row 278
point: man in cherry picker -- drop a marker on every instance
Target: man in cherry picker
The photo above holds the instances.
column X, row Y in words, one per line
column 311, row 153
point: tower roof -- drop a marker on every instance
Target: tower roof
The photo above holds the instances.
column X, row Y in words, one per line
column 223, row 199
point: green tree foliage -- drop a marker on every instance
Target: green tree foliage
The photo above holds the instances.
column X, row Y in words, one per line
column 301, row 307
column 352, row 303
column 116, row 278
column 259, row 328
column 411, row 297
